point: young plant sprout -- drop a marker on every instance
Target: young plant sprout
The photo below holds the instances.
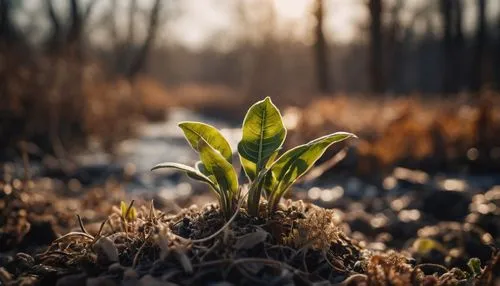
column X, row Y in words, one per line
column 128, row 212
column 262, row 140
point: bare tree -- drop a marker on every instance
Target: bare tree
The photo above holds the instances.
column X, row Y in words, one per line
column 376, row 61
column 477, row 69
column 497, row 53
column 8, row 31
column 452, row 45
column 68, row 36
column 446, row 6
column 321, row 50
column 394, row 51
column 56, row 31
column 260, row 60
column 141, row 56
column 131, row 22
column 458, row 44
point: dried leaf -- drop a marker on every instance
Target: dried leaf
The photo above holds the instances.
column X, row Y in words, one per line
column 250, row 240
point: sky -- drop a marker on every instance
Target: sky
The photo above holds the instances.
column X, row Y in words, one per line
column 201, row 20
column 209, row 16
column 198, row 23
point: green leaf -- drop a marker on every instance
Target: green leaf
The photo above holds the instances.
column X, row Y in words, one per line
column 296, row 162
column 263, row 134
column 424, row 245
column 123, row 209
column 475, row 266
column 273, row 157
column 128, row 212
column 191, row 172
column 201, row 168
column 132, row 214
column 196, row 131
column 222, row 170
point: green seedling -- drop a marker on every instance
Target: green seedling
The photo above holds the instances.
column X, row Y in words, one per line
column 474, row 265
column 268, row 173
column 128, row 212
column 424, row 246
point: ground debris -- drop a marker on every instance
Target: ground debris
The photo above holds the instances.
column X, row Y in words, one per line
column 299, row 244
column 172, row 249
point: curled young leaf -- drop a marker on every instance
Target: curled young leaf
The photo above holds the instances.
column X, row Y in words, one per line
column 474, row 265
column 196, row 132
column 132, row 214
column 123, row 209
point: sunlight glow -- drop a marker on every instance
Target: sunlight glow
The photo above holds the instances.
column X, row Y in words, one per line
column 292, row 9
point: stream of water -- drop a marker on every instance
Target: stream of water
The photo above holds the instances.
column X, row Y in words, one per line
column 164, row 142
column 157, row 143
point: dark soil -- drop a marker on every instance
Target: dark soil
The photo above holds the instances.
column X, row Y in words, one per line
column 366, row 242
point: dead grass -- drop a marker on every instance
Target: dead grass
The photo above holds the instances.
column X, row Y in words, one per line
column 59, row 103
column 34, row 214
column 299, row 244
column 249, row 251
column 432, row 134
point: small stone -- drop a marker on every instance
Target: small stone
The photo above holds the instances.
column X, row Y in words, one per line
column 130, row 274
column 106, row 250
column 116, row 268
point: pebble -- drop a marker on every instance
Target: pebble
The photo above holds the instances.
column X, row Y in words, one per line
column 116, row 268
column 130, row 274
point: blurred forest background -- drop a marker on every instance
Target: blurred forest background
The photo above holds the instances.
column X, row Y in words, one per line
column 72, row 71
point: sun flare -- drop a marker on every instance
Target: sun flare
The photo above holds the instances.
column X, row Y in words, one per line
column 292, row 9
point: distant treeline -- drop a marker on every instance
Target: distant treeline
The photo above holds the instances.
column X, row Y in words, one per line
column 391, row 57
column 388, row 56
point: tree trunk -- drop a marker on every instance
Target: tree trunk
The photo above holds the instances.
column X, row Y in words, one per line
column 395, row 48
column 446, row 11
column 8, row 32
column 75, row 29
column 55, row 37
column 131, row 23
column 4, row 19
column 321, row 50
column 376, row 60
column 477, row 70
column 458, row 46
column 138, row 62
column 497, row 53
